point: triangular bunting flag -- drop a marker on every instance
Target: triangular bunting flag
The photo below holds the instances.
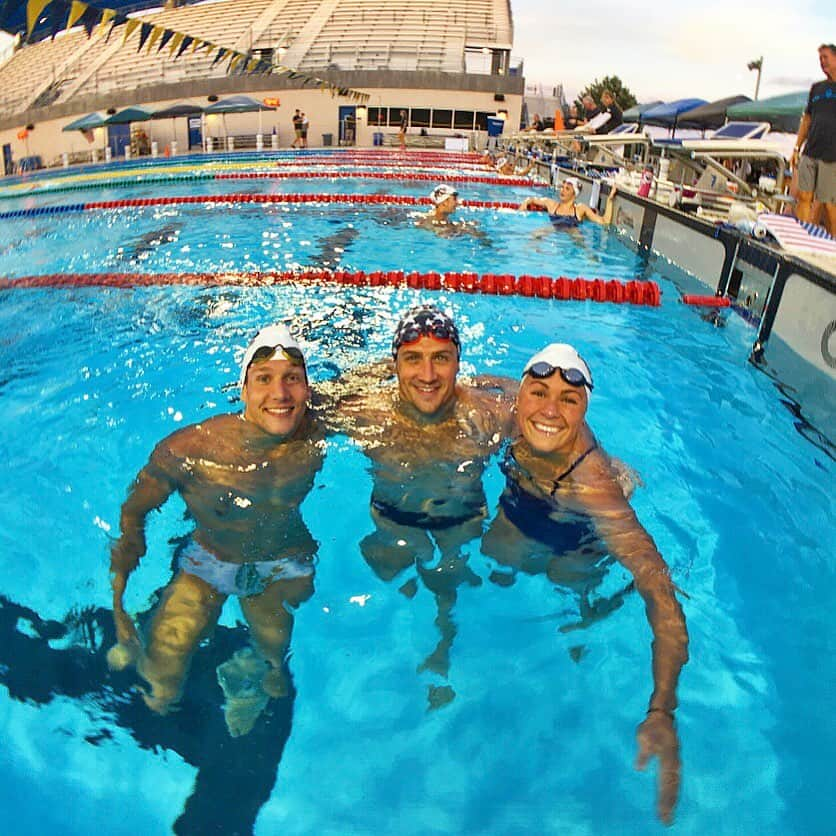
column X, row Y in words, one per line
column 220, row 54
column 145, row 30
column 155, row 36
column 130, row 28
column 184, row 46
column 76, row 11
column 175, row 42
column 33, row 12
column 167, row 36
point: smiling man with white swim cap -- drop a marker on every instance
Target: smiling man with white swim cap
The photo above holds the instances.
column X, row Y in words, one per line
column 243, row 478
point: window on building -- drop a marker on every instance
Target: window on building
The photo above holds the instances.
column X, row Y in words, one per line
column 442, row 119
column 463, row 120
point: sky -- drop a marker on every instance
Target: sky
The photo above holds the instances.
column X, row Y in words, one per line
column 668, row 49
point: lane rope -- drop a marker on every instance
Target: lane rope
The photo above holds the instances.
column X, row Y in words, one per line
column 543, row 287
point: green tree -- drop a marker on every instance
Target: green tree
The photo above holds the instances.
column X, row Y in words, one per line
column 623, row 96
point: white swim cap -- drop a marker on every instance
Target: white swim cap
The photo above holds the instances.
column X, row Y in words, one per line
column 277, row 337
column 574, row 183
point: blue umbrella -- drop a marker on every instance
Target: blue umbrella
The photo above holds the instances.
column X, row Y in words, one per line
column 86, row 123
column 667, row 115
column 634, row 113
column 129, row 114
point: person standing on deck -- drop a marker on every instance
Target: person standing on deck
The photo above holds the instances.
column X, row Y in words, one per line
column 816, row 165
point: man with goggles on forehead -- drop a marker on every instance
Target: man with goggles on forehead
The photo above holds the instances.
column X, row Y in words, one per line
column 429, row 437
column 563, row 513
column 242, row 477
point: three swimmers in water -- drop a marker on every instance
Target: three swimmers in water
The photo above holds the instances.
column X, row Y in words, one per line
column 429, row 436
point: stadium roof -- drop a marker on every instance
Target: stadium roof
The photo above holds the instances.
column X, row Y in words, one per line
column 54, row 16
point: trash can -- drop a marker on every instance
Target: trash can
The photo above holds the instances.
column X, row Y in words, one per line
column 377, row 138
column 495, row 126
column 327, row 139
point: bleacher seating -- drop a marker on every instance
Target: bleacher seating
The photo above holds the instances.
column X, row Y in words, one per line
column 309, row 35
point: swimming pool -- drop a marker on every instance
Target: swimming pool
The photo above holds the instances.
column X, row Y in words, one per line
column 540, row 735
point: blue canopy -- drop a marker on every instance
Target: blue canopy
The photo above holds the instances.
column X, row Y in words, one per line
column 634, row 113
column 85, row 123
column 667, row 115
column 129, row 114
column 236, row 104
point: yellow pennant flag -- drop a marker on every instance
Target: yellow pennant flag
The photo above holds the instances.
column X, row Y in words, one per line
column 33, row 12
column 155, row 36
column 130, row 28
column 107, row 16
column 76, row 11
column 235, row 61
column 175, row 42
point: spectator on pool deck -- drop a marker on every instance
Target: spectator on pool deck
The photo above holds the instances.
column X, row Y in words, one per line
column 537, row 123
column 565, row 213
column 590, row 109
column 402, row 130
column 297, row 129
column 816, row 166
column 305, row 124
column 573, row 120
column 563, row 511
column 608, row 105
column 243, row 478
column 429, row 436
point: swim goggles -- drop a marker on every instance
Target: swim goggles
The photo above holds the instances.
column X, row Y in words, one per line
column 425, row 322
column 265, row 352
column 574, row 377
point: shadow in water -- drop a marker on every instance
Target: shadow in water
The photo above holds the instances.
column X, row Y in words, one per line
column 235, row 776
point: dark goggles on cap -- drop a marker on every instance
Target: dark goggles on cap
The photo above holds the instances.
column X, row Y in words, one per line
column 265, row 352
column 290, row 353
column 574, row 377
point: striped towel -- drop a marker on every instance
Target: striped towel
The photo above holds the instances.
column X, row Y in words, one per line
column 793, row 234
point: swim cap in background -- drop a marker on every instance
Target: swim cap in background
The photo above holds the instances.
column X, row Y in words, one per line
column 441, row 193
column 272, row 336
column 574, row 183
column 425, row 321
column 561, row 356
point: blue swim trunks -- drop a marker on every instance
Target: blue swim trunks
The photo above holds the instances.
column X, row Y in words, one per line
column 241, row 579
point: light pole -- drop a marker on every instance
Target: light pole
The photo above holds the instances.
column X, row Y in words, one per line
column 756, row 65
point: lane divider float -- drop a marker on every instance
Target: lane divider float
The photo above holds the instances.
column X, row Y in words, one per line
column 542, row 287
column 705, row 301
column 374, row 199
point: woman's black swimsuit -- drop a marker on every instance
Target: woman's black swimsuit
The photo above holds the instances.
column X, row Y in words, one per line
column 566, row 221
column 532, row 514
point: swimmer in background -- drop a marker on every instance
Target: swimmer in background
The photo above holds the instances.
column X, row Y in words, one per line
column 566, row 213
column 242, row 477
column 429, row 437
column 563, row 510
column 439, row 219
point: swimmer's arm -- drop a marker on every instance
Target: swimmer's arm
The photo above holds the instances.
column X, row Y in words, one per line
column 539, row 203
column 153, row 485
column 590, row 214
column 630, row 544
column 627, row 541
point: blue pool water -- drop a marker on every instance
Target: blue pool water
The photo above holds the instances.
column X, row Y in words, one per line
column 540, row 735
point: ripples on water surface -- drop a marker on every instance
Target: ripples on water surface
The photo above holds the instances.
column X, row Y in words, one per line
column 540, row 735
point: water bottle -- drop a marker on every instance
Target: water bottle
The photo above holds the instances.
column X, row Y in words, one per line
column 646, row 182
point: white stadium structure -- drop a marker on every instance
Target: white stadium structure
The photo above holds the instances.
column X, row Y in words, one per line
column 350, row 65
